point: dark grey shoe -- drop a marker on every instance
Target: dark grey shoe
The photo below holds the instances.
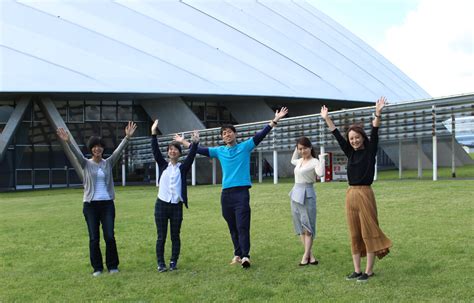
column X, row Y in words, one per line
column 245, row 262
column 364, row 277
column 353, row 276
column 173, row 266
column 162, row 268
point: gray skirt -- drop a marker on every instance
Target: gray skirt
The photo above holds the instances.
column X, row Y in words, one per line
column 303, row 208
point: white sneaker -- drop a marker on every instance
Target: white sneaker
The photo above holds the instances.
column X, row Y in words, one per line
column 96, row 273
column 235, row 260
column 114, row 271
column 245, row 262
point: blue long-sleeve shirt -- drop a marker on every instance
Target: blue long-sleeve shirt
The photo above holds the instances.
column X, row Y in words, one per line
column 235, row 160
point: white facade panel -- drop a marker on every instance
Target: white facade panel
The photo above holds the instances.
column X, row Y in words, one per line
column 264, row 48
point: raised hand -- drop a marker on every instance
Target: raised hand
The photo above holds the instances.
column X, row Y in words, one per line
column 130, row 129
column 195, row 136
column 324, row 112
column 62, row 134
column 179, row 138
column 380, row 104
column 280, row 113
column 154, row 128
column 325, row 116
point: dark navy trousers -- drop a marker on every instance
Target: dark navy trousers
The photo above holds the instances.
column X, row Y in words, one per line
column 236, row 211
column 97, row 213
column 164, row 213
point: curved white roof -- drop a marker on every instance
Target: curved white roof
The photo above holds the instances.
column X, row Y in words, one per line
column 264, row 48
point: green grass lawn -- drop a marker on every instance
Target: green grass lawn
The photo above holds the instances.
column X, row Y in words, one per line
column 462, row 172
column 44, row 248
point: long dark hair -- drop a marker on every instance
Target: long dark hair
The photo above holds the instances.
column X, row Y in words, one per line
column 360, row 130
column 306, row 143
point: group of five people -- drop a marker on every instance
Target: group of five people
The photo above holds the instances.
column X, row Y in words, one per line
column 367, row 239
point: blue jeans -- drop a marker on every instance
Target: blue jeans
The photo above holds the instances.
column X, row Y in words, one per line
column 95, row 213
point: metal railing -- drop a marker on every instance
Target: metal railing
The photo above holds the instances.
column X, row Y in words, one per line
column 406, row 121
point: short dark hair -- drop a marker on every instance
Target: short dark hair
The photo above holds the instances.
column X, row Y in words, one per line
column 175, row 144
column 227, row 126
column 306, row 143
column 94, row 141
column 358, row 129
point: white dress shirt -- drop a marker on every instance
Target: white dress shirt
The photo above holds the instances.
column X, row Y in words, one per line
column 306, row 172
column 170, row 184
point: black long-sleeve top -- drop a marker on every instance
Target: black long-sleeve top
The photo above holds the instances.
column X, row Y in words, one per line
column 361, row 163
column 184, row 168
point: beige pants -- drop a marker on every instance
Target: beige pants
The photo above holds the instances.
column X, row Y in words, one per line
column 361, row 212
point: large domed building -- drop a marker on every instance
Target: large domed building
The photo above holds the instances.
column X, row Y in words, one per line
column 91, row 66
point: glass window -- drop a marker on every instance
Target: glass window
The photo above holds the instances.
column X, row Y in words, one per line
column 124, row 111
column 58, row 157
column 41, row 156
column 58, row 177
column 92, row 111
column 38, row 114
column 143, row 130
column 139, row 113
column 76, row 111
column 24, row 179
column 76, row 130
column 42, row 133
column 211, row 112
column 199, row 109
column 41, row 178
column 109, row 111
column 28, row 114
column 73, row 177
column 89, row 129
column 61, row 106
column 24, row 156
column 212, row 124
column 108, row 133
column 22, row 135
column 7, row 170
column 5, row 113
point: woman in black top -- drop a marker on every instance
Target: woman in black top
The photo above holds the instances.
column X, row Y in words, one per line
column 367, row 239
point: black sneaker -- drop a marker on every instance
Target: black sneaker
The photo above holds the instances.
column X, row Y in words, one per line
column 364, row 277
column 245, row 262
column 161, row 268
column 353, row 276
column 173, row 266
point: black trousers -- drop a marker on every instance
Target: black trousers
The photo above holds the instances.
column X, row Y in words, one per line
column 96, row 213
column 236, row 211
column 173, row 213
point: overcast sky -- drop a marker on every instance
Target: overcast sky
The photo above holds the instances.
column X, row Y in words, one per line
column 429, row 40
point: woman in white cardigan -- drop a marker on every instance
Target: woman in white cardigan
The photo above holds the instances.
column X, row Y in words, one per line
column 303, row 196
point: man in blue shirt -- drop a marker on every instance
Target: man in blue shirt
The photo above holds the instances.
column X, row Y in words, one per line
column 235, row 198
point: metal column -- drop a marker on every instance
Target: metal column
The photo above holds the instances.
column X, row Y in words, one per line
column 435, row 145
column 56, row 121
column 419, row 153
column 12, row 125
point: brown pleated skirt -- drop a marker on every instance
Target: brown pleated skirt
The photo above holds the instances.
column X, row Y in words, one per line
column 361, row 212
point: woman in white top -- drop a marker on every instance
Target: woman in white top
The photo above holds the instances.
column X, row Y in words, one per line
column 303, row 196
